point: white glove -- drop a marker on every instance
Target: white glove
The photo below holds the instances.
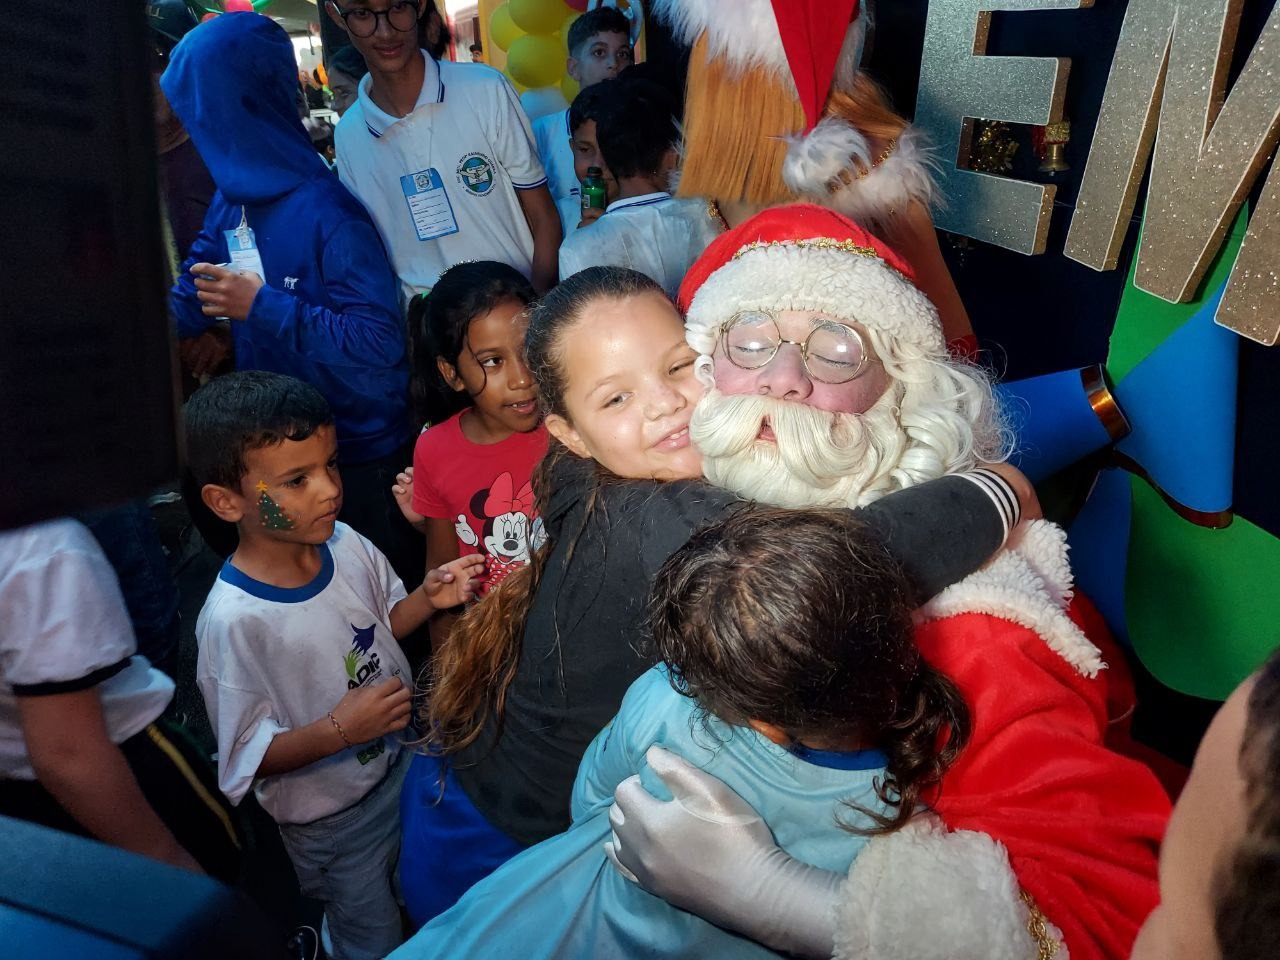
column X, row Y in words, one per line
column 708, row 852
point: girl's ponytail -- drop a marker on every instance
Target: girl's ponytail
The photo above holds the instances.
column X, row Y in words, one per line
column 471, row 673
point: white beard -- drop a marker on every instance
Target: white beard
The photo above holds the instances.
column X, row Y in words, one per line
column 819, row 459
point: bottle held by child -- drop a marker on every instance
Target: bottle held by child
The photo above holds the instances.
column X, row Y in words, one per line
column 593, row 190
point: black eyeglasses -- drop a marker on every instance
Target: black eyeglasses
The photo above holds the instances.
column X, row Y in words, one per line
column 402, row 16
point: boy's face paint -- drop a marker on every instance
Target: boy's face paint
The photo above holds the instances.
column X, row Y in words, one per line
column 294, row 488
column 272, row 515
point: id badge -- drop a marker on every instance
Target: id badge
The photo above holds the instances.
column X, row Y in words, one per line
column 243, row 251
column 429, row 206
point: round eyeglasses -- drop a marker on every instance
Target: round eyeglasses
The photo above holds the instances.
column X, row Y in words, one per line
column 832, row 352
column 402, row 16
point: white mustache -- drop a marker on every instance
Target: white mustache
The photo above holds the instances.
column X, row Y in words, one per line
column 820, row 458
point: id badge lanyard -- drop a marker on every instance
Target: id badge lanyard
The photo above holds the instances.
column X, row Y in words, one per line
column 242, row 246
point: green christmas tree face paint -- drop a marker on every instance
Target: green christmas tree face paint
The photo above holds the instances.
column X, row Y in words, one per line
column 272, row 515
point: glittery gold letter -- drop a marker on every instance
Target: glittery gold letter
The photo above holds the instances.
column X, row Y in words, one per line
column 958, row 84
column 1175, row 54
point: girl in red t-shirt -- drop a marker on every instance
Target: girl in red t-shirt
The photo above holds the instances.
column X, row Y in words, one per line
column 468, row 489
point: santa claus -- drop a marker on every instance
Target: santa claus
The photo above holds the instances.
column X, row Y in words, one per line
column 830, row 384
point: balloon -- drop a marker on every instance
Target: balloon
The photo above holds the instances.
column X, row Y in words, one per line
column 566, row 24
column 537, row 16
column 208, row 16
column 502, row 29
column 540, row 102
column 237, row 6
column 579, row 5
column 569, row 87
column 536, row 61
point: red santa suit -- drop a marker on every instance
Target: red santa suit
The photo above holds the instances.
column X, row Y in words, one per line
column 1036, row 804
column 1042, row 841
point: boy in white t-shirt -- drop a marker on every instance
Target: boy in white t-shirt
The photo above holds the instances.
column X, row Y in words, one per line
column 599, row 44
column 441, row 155
column 643, row 227
column 305, row 683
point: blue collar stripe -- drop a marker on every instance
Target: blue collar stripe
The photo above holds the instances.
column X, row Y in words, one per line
column 840, row 759
column 265, row 591
column 625, row 204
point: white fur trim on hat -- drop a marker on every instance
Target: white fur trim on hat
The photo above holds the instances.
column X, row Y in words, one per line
column 833, row 166
column 803, row 275
column 926, row 893
column 745, row 32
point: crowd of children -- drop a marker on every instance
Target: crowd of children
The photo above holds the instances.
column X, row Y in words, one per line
column 472, row 575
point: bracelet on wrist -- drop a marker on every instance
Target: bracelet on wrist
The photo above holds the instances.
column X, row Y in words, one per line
column 337, row 726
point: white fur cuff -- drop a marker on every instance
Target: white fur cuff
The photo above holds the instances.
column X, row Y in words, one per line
column 924, row 893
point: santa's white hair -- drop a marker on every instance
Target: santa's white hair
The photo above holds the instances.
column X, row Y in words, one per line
column 937, row 416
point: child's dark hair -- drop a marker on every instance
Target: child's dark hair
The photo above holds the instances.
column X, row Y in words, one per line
column 589, row 104
column 230, row 416
column 635, row 126
column 600, row 20
column 801, row 619
column 438, row 324
column 1249, row 901
column 471, row 676
column 244, row 411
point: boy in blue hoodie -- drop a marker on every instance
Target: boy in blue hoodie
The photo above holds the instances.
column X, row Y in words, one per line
column 292, row 258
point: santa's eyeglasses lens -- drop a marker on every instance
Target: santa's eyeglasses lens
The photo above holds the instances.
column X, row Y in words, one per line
column 832, row 352
column 363, row 22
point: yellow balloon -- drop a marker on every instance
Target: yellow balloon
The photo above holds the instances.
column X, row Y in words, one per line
column 536, row 60
column 537, row 16
column 569, row 87
column 502, row 28
column 568, row 22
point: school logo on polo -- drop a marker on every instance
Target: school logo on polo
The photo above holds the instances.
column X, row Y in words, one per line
column 475, row 172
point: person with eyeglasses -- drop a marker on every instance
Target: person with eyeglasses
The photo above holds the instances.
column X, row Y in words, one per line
column 830, row 383
column 441, row 154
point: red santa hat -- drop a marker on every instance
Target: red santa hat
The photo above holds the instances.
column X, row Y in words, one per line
column 805, row 257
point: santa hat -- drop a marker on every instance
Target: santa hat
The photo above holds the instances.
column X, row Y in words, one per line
column 813, row 45
column 805, row 257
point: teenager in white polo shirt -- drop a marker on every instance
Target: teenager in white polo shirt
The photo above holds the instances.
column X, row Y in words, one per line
column 441, row 155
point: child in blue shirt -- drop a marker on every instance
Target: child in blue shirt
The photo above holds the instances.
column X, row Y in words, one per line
column 790, row 672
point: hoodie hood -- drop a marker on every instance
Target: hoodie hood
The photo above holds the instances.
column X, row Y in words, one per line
column 232, row 82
